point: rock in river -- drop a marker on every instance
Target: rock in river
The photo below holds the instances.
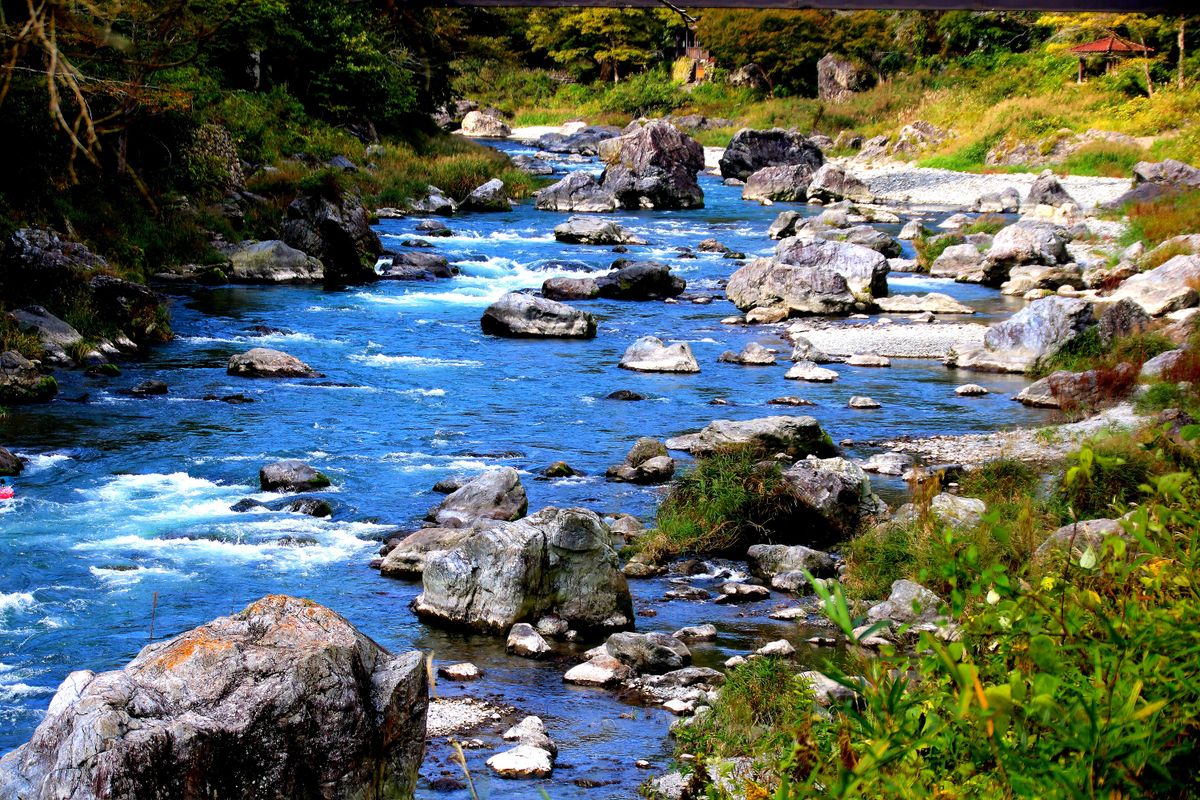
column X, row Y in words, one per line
column 1036, row 331
column 651, row 354
column 493, row 495
column 291, row 475
column 262, row 362
column 864, row 269
column 653, row 166
column 517, row 315
column 767, row 283
column 524, row 640
column 558, row 561
column 795, row 436
column 21, row 382
column 10, row 464
column 751, row 150
column 837, row 496
column 648, row 652
column 284, row 699
column 273, row 261
column 640, row 280
column 578, row 192
column 586, row 230
column 779, row 184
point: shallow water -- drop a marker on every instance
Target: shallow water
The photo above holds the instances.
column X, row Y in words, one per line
column 127, row 500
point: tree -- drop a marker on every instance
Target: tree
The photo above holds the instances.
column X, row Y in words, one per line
column 786, row 44
column 610, row 42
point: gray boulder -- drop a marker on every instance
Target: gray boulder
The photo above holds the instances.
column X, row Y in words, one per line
column 517, row 315
column 646, row 463
column 651, row 354
column 435, row 201
column 1171, row 173
column 1077, row 537
column 336, row 231
column 640, row 280
column 263, row 362
column 836, row 494
column 284, row 699
column 795, row 436
column 493, row 495
column 751, row 150
column 864, row 236
column 532, row 166
column 558, row 561
column 10, row 464
column 524, row 640
column 585, row 141
column 783, row 566
column 1025, row 279
column 411, row 266
column 788, row 184
column 753, row 354
column 908, row 603
column 1121, row 319
column 796, row 290
column 1165, row 288
column 1025, row 242
column 490, row 196
column 653, row 166
column 962, row 262
column 653, row 653
column 273, row 261
column 831, row 183
column 21, row 382
column 1047, row 191
column 483, row 125
column 291, row 475
column 864, row 269
column 570, row 289
column 407, row 558
column 1034, row 332
column 577, row 192
column 839, row 77
column 54, row 335
column 1005, row 202
column 586, row 230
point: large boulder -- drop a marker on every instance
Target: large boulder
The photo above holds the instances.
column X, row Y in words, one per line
column 653, row 166
column 795, row 436
column 1047, row 191
column 864, row 269
column 797, row 290
column 570, row 289
column 864, row 236
column 291, row 475
column 56, row 337
column 1166, row 288
column 434, row 201
column 1171, row 173
column 961, row 262
column 839, row 77
column 585, row 141
column 284, row 699
column 577, row 192
column 517, row 315
column 407, row 558
column 1090, row 389
column 784, row 567
column 263, row 362
column 832, row 183
column 10, row 464
column 1034, row 332
column 556, row 562
column 640, row 280
column 273, row 261
column 21, row 382
column 586, row 230
column 1024, row 279
column 651, row 354
column 908, row 603
column 484, row 125
column 787, row 184
column 489, row 196
column 653, row 653
column 836, row 494
column 410, row 266
column 1024, row 242
column 493, row 495
column 338, row 232
column 751, row 150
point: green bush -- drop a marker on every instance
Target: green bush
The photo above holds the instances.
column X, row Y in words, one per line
column 1103, row 159
column 647, row 94
column 929, row 246
column 1086, row 351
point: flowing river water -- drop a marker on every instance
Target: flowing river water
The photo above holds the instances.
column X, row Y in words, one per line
column 123, row 522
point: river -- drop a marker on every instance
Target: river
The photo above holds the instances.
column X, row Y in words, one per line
column 123, row 522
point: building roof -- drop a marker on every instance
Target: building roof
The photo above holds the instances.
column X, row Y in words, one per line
column 1110, row 44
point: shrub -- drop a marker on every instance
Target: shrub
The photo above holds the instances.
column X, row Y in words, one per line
column 1156, row 221
column 929, row 246
column 1108, row 476
column 1103, row 159
column 647, row 94
column 986, row 223
column 13, row 338
column 1086, row 352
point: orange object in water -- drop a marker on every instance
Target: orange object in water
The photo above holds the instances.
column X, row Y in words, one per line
column 6, row 493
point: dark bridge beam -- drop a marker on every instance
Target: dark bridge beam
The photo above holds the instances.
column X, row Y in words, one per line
column 1127, row 6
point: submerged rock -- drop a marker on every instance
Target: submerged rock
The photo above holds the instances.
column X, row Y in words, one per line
column 284, row 699
column 10, row 465
column 558, row 561
column 753, row 354
column 517, row 315
column 291, row 475
column 647, row 463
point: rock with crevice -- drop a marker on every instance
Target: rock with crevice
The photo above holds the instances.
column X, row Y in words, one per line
column 522, row 316
column 865, row 270
column 795, row 436
column 284, row 699
column 653, row 166
column 495, row 495
column 651, row 354
column 751, row 150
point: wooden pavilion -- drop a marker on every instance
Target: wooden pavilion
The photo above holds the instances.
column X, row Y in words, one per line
column 1111, row 48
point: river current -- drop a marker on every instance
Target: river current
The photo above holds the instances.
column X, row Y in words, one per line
column 122, row 524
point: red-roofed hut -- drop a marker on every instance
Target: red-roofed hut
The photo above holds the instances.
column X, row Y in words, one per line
column 1110, row 48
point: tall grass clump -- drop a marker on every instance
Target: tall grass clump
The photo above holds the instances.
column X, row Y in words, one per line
column 1157, row 220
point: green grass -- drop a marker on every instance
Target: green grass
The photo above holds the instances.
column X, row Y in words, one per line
column 1103, row 160
column 1086, row 351
column 13, row 338
column 1158, row 220
column 929, row 246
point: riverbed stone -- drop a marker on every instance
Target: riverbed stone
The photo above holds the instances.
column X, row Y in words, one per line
column 796, row 290
column 434, row 201
column 570, row 289
column 836, row 496
column 263, row 362
column 336, row 230
column 283, row 699
column 832, row 183
column 640, row 280
column 599, row 670
column 1024, row 279
column 863, row 402
column 780, row 648
column 864, row 269
column 489, row 196
column 809, row 371
column 648, row 652
column 531, row 731
column 651, row 354
column 959, row 512
column 753, row 354
column 291, row 475
column 1077, row 537
column 932, row 303
column 1122, row 319
column 697, row 633
column 519, row 315
column 783, row 184
column 960, row 262
column 558, row 561
column 493, row 495
column 1024, row 242
column 1156, row 367
column 484, row 125
column 577, row 192
column 522, row 761
column 751, row 150
column 407, row 558
column 737, row 593
column 588, row 230
column 273, row 261
column 1036, row 331
column 804, row 350
column 653, row 166
column 524, row 640
column 1047, row 191
column 56, row 337
column 771, row 561
column 970, row 390
column 899, row 607
column 891, row 463
column 868, row 360
column 795, row 436
column 1166, row 288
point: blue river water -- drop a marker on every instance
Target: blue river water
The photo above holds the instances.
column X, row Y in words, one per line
column 123, row 524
